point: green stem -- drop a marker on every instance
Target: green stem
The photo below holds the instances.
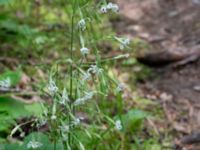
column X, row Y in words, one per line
column 71, row 67
column 71, row 52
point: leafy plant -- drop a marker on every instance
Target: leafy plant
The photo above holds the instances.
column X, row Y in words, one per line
column 35, row 140
column 11, row 109
column 13, row 76
column 83, row 106
column 86, row 80
column 133, row 120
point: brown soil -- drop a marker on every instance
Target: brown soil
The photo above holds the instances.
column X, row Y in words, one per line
column 168, row 25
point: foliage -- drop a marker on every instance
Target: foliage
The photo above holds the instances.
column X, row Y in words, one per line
column 39, row 137
column 83, row 105
column 12, row 109
column 13, row 76
column 133, row 120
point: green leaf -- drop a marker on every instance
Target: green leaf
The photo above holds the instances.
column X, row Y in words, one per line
column 21, row 29
column 152, row 144
column 11, row 109
column 133, row 120
column 34, row 108
column 46, row 144
column 14, row 77
column 39, row 137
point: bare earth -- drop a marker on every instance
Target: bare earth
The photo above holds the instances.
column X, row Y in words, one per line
column 172, row 25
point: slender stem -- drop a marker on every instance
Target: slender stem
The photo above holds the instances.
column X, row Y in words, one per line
column 71, row 52
column 71, row 67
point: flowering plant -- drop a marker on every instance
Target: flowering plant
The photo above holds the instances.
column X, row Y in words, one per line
column 86, row 81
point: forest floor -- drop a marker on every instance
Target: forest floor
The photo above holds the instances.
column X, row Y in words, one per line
column 170, row 25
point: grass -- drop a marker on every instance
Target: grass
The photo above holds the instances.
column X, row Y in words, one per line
column 82, row 99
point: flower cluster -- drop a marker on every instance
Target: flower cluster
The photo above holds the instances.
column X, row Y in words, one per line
column 65, row 97
column 95, row 69
column 34, row 145
column 41, row 122
column 52, row 87
column 82, row 100
column 109, row 6
column 76, row 121
column 82, row 24
column 53, row 117
column 64, row 128
column 86, row 77
column 118, row 125
column 124, row 43
column 120, row 87
column 84, row 51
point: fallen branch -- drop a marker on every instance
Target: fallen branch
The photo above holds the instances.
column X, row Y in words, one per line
column 191, row 139
column 176, row 57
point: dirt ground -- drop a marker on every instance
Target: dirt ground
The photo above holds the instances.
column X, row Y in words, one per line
column 169, row 25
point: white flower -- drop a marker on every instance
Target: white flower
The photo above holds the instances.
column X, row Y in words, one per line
column 84, row 51
column 53, row 117
column 42, row 122
column 65, row 97
column 95, row 69
column 113, row 7
column 64, row 128
column 124, row 43
column 6, row 83
column 86, row 77
column 120, row 87
column 109, row 6
column 103, row 9
column 118, row 125
column 52, row 87
column 76, row 121
column 88, row 95
column 34, row 145
column 81, row 101
column 82, row 24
